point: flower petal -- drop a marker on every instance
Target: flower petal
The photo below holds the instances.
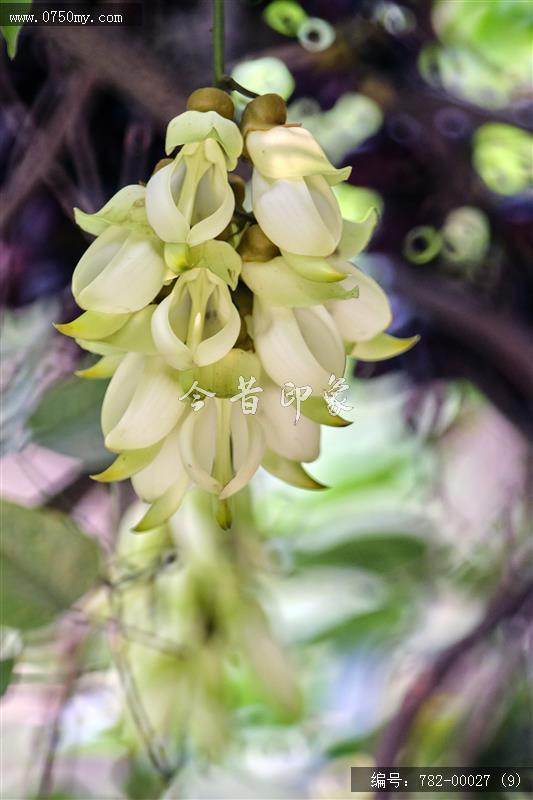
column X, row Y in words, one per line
column 286, row 355
column 316, row 408
column 287, row 211
column 120, row 272
column 195, row 126
column 127, row 464
column 104, row 368
column 214, row 205
column 136, row 335
column 163, row 213
column 220, row 257
column 276, row 283
column 156, row 477
column 126, row 207
column 363, row 317
column 215, row 347
column 92, row 325
column 356, row 235
column 176, row 353
column 381, row 347
column 248, row 447
column 197, row 447
column 313, row 268
column 165, row 506
column 290, row 472
column 291, row 152
column 295, row 440
column 141, row 404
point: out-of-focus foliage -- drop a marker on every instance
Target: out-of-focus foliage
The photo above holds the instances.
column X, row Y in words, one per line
column 503, row 157
column 10, row 33
column 25, row 366
column 68, row 421
column 262, row 75
column 47, row 563
column 485, row 51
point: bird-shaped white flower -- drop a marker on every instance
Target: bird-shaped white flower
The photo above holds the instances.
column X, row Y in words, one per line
column 291, row 190
column 190, row 200
column 197, row 323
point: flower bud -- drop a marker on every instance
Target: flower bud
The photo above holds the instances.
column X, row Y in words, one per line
column 256, row 246
column 263, row 113
column 238, row 188
column 211, row 99
column 163, row 162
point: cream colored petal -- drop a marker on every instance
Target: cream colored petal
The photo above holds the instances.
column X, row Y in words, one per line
column 97, row 347
column 163, row 213
column 363, row 317
column 356, row 235
column 220, row 257
column 284, row 152
column 92, row 325
column 326, row 204
column 154, row 479
column 214, row 206
column 316, row 408
column 285, row 353
column 313, row 268
column 382, row 346
column 121, row 275
column 290, row 472
column 165, row 506
column 197, row 447
column 125, row 207
column 136, row 335
column 141, row 404
column 97, row 257
column 195, row 126
column 104, row 368
column 176, row 353
column 248, row 447
column 120, row 391
column 127, row 464
column 297, row 441
column 287, row 213
column 322, row 338
column 217, row 346
column 277, row 283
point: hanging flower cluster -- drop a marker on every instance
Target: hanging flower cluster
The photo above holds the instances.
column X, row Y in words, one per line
column 215, row 324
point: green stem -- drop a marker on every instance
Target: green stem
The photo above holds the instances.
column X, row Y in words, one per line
column 218, row 41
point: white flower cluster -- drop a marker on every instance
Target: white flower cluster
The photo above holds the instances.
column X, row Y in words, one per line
column 180, row 285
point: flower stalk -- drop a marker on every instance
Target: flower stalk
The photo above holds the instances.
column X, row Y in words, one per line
column 218, row 42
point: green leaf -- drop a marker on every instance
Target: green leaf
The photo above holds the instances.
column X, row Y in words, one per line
column 376, row 624
column 6, row 671
column 11, row 32
column 46, row 564
column 68, row 421
column 375, row 552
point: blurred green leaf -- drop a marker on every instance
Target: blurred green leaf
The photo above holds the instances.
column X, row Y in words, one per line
column 374, row 625
column 377, row 553
column 68, row 421
column 46, row 564
column 11, row 32
column 6, row 672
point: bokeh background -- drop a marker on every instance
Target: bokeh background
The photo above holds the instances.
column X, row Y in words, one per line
column 399, row 602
